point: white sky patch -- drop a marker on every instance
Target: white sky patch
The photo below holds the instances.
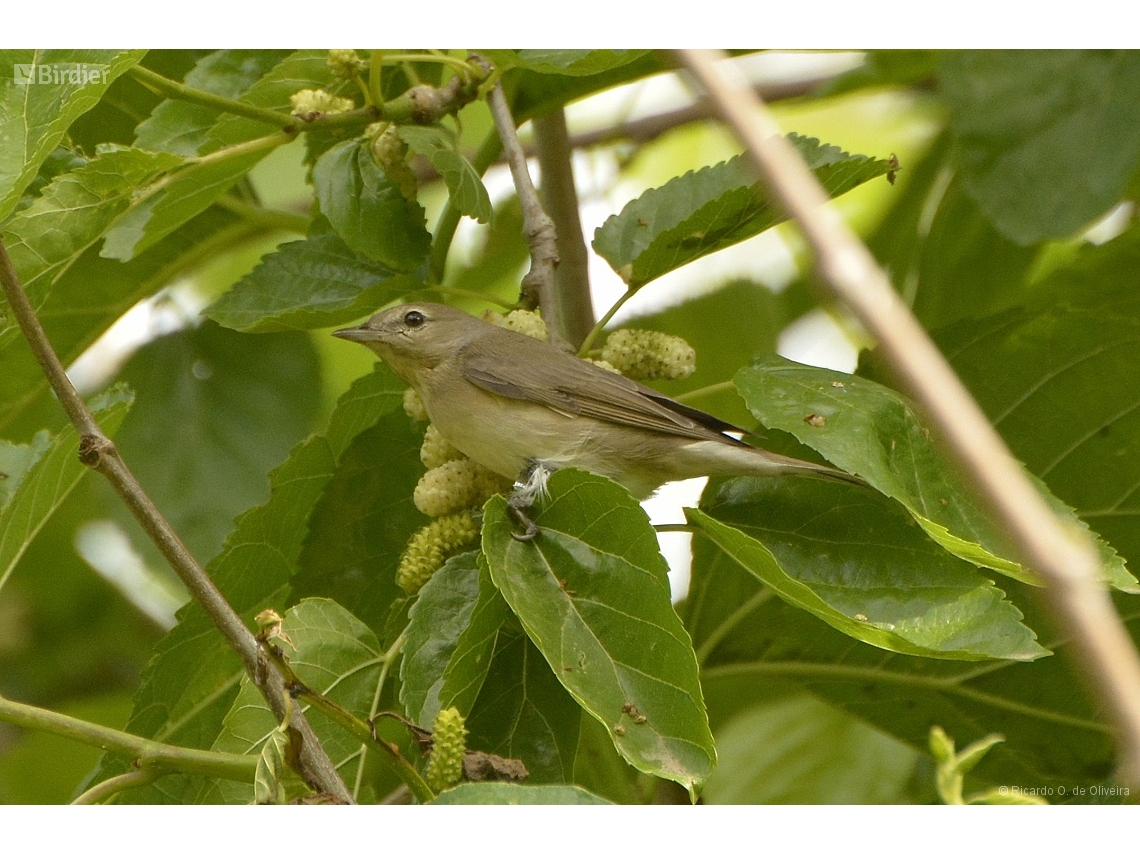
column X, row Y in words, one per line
column 106, row 547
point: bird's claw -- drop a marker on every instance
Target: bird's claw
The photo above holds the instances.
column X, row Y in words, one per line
column 518, row 507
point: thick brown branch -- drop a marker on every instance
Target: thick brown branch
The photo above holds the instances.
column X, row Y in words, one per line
column 538, row 284
column 100, row 453
column 572, row 275
column 1064, row 558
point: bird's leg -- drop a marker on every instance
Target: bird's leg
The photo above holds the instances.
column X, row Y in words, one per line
column 519, row 506
column 531, row 486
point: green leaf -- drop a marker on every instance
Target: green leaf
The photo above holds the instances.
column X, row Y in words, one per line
column 43, row 475
column 535, row 94
column 368, row 210
column 363, row 521
column 885, row 68
column 522, row 710
column 872, row 431
column 1047, row 140
column 169, row 202
column 451, row 633
column 16, row 460
column 1058, row 379
column 92, row 293
column 604, row 621
column 190, row 683
column 182, row 127
column 268, row 786
column 798, row 751
column 464, row 185
column 967, row 268
column 308, row 284
column 750, row 641
column 701, row 212
column 116, row 117
column 493, row 793
column 217, row 411
column 72, row 213
column 466, row 650
column 575, row 63
column 336, row 656
column 855, row 560
column 35, row 116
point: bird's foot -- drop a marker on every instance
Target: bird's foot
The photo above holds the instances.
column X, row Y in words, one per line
column 519, row 507
column 531, row 487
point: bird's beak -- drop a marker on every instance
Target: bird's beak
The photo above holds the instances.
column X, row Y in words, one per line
column 360, row 333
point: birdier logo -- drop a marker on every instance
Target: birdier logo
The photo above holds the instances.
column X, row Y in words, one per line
column 59, row 74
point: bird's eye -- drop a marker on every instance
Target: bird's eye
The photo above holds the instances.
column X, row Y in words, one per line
column 414, row 319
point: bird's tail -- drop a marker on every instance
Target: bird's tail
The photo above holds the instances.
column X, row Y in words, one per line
column 738, row 458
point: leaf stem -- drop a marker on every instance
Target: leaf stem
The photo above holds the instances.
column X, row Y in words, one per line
column 194, row 164
column 444, row 231
column 606, row 318
column 148, row 754
column 443, row 59
column 101, row 454
column 390, row 656
column 704, row 391
column 683, row 528
column 730, row 623
column 283, row 221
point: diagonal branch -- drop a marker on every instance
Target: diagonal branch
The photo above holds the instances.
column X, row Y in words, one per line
column 99, row 453
column 538, row 284
column 1065, row 559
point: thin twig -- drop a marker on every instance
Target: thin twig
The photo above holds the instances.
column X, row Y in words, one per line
column 420, row 104
column 98, row 452
column 180, row 91
column 538, row 284
column 572, row 275
column 1063, row 557
column 146, row 752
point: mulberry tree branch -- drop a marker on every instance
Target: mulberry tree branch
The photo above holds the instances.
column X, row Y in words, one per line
column 571, row 276
column 97, row 451
column 1064, row 558
column 538, row 284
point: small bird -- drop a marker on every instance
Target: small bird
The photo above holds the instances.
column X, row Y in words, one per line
column 523, row 408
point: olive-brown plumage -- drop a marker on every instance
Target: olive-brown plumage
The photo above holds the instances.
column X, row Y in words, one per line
column 509, row 402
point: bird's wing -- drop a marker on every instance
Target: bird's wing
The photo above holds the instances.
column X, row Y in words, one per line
column 574, row 387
